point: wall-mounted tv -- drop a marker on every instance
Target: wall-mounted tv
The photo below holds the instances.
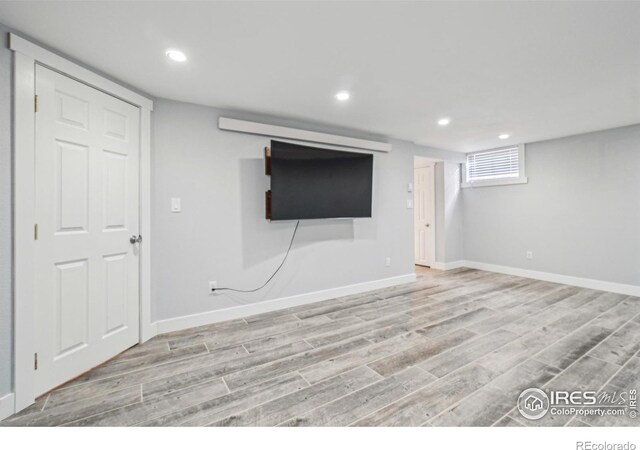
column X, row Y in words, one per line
column 316, row 183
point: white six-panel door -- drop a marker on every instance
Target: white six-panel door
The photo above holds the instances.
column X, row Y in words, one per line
column 424, row 208
column 87, row 208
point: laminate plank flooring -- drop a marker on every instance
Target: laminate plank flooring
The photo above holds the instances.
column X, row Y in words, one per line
column 454, row 348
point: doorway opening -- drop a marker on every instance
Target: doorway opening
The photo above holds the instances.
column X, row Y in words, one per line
column 424, row 208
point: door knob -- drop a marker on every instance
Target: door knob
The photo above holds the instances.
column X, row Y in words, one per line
column 135, row 239
column 427, row 225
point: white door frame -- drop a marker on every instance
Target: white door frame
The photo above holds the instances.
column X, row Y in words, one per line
column 26, row 55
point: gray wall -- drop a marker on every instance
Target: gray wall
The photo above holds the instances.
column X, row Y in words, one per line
column 222, row 235
column 579, row 212
column 453, row 212
column 6, row 182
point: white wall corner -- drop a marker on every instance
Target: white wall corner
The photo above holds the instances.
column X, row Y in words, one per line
column 7, row 405
column 618, row 288
column 238, row 312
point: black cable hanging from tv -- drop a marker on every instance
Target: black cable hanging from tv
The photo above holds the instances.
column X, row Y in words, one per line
column 274, row 273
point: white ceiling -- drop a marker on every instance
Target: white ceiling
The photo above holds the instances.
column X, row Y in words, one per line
column 532, row 70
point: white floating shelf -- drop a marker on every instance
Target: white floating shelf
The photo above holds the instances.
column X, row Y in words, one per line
column 244, row 126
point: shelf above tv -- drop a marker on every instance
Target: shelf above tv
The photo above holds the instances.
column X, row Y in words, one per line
column 244, row 126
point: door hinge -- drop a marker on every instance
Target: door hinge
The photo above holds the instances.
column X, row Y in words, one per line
column 35, row 232
column 35, row 103
column 35, row 361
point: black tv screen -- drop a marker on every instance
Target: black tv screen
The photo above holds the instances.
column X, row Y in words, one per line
column 315, row 183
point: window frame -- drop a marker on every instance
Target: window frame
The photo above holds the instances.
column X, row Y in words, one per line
column 520, row 179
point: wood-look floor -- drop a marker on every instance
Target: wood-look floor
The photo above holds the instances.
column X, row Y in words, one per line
column 454, row 348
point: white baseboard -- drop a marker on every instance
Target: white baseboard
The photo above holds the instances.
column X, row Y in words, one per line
column 618, row 288
column 7, row 405
column 447, row 265
column 237, row 312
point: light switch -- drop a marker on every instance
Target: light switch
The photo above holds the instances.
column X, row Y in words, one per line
column 409, row 204
column 409, row 187
column 175, row 205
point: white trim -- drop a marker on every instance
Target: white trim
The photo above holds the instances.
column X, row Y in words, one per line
column 244, row 126
column 147, row 329
column 24, row 213
column 499, row 182
column 447, row 265
column 62, row 65
column 7, row 406
column 619, row 288
column 237, row 312
column 26, row 55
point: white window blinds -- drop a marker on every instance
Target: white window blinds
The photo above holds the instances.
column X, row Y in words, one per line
column 493, row 164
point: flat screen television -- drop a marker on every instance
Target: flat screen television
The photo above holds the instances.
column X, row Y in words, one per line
column 316, row 183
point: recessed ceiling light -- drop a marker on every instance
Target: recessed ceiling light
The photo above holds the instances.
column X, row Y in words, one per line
column 444, row 121
column 343, row 96
column 504, row 136
column 176, row 55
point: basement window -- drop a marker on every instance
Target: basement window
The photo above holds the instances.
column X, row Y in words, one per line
column 495, row 167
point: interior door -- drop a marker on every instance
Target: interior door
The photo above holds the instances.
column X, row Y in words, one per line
column 424, row 211
column 87, row 210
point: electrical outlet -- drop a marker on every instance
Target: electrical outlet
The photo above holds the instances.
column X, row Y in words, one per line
column 529, row 254
column 387, row 261
column 212, row 285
